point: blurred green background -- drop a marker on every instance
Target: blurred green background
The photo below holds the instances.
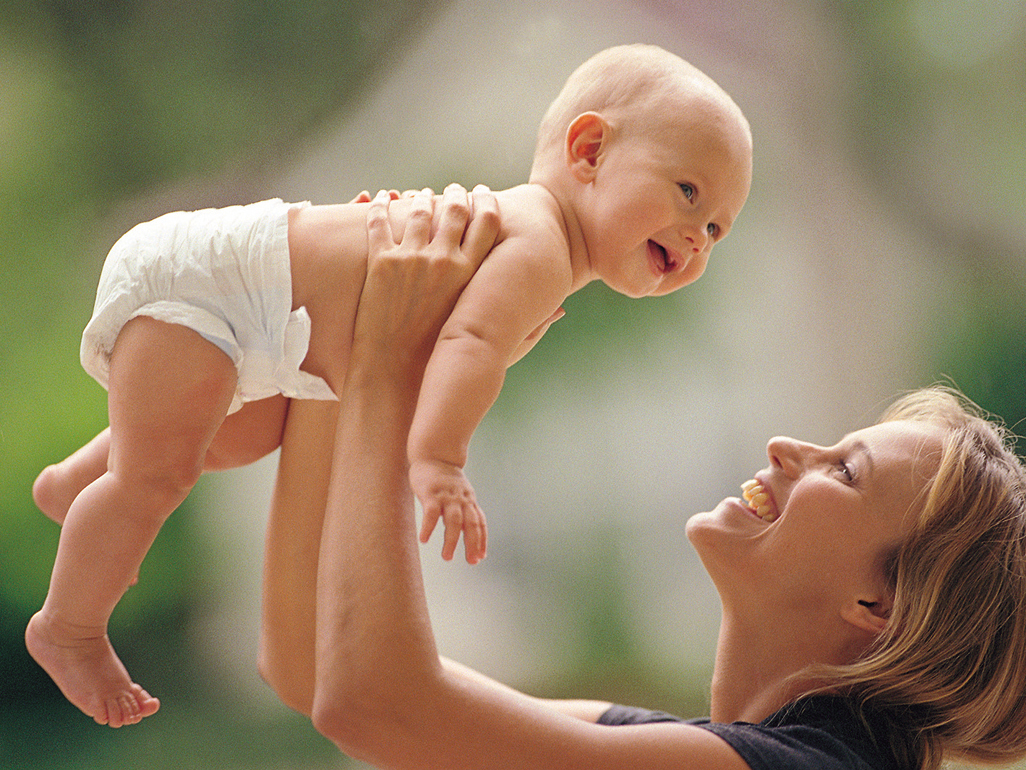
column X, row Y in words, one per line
column 890, row 154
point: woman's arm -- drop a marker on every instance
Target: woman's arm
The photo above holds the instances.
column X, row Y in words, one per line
column 286, row 655
column 588, row 710
column 296, row 520
column 293, row 541
column 381, row 692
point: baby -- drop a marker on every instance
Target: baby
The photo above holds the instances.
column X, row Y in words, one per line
column 206, row 322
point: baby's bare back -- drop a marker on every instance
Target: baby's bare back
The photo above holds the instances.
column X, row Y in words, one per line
column 328, row 255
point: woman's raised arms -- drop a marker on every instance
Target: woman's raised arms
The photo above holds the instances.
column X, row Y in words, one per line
column 379, row 689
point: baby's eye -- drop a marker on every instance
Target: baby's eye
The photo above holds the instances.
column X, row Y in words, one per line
column 688, row 190
column 713, row 229
column 846, row 471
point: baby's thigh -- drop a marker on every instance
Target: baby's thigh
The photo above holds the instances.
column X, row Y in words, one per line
column 249, row 434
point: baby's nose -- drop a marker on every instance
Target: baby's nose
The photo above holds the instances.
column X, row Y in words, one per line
column 695, row 237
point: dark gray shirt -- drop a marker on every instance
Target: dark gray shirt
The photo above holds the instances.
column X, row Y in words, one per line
column 821, row 732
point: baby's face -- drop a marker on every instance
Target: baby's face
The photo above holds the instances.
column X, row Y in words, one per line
column 661, row 199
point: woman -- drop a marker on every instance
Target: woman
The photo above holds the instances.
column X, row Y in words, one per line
column 873, row 592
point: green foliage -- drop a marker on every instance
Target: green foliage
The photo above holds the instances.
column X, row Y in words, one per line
column 101, row 100
column 986, row 359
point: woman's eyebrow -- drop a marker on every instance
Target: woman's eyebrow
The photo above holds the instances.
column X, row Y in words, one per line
column 858, row 446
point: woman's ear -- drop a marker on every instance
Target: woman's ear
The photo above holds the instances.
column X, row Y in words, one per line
column 586, row 140
column 868, row 614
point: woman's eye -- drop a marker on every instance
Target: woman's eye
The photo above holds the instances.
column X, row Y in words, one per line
column 688, row 190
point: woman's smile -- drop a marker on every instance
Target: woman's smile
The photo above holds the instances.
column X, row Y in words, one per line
column 758, row 500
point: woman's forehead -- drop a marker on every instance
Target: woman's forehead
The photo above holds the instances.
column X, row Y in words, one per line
column 900, row 450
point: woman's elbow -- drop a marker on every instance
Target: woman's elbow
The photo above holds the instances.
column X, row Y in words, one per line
column 343, row 722
column 374, row 724
column 285, row 682
column 329, row 719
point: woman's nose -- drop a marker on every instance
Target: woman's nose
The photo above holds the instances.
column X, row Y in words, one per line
column 787, row 454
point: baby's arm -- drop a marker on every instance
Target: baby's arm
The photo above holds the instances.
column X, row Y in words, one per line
column 513, row 296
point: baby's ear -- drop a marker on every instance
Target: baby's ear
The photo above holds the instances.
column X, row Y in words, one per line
column 586, row 141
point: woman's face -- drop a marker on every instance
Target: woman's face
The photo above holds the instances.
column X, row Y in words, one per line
column 829, row 518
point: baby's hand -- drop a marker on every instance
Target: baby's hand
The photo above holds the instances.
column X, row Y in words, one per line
column 445, row 493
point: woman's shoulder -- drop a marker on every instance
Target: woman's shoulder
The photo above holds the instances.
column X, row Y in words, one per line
column 821, row 731
column 817, row 732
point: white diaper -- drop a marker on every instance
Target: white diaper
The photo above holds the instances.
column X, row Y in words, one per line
column 223, row 273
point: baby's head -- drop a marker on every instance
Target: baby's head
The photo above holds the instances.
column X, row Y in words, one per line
column 651, row 159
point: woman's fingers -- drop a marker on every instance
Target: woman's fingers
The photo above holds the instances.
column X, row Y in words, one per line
column 418, row 226
column 484, row 226
column 379, row 228
column 453, row 219
column 413, row 282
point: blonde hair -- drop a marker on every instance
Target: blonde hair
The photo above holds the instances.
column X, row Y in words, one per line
column 950, row 666
column 626, row 84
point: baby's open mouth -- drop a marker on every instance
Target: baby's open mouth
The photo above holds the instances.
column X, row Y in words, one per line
column 662, row 257
column 757, row 500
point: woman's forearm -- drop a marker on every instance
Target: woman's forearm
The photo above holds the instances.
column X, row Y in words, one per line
column 295, row 522
column 585, row 710
column 375, row 652
column 374, row 639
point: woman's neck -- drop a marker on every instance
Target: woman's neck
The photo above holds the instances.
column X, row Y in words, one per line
column 759, row 667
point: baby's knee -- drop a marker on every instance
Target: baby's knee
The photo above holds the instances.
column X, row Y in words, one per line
column 164, row 486
column 45, row 493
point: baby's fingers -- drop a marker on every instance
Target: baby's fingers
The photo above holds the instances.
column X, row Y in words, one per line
column 475, row 536
column 453, row 516
column 466, row 518
column 432, row 513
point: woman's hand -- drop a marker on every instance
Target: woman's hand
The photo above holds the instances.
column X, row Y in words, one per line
column 412, row 284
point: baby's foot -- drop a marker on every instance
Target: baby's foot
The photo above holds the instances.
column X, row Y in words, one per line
column 88, row 672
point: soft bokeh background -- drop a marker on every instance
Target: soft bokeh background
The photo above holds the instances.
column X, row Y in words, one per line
column 882, row 248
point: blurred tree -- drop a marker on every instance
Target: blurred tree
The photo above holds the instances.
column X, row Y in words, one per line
column 938, row 82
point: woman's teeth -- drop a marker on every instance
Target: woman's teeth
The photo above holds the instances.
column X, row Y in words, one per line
column 757, row 500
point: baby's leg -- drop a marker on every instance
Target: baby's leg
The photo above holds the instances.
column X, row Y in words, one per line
column 244, row 437
column 56, row 488
column 248, row 435
column 169, row 392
